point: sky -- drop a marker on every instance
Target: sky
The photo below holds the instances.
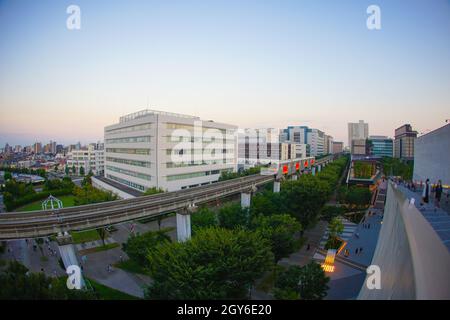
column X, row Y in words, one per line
column 249, row 63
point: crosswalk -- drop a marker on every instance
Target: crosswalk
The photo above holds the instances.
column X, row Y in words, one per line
column 349, row 230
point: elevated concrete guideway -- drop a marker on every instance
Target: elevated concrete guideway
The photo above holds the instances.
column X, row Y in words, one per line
column 19, row 225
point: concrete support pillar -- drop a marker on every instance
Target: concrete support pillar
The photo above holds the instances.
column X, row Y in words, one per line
column 246, row 199
column 319, row 168
column 313, row 171
column 68, row 255
column 184, row 223
column 276, row 186
column 294, row 177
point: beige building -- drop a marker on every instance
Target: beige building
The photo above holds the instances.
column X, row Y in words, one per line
column 338, row 147
column 358, row 130
column 358, row 147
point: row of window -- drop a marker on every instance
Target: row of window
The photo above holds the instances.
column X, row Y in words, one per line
column 128, row 150
column 191, row 175
column 145, row 164
column 191, row 128
column 129, row 140
column 189, row 138
column 169, row 152
column 126, row 182
column 196, row 163
column 130, row 173
column 138, row 127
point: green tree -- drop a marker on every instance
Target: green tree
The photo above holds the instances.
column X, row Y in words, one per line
column 215, row 264
column 335, row 228
column 138, row 247
column 88, row 194
column 233, row 215
column 7, row 176
column 81, row 171
column 304, row 198
column 203, row 218
column 308, row 283
column 330, row 212
column 103, row 234
column 313, row 282
column 280, row 230
column 286, row 284
column 74, row 170
column 266, row 203
column 66, row 170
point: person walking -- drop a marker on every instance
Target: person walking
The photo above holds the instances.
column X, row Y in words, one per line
column 426, row 192
column 438, row 194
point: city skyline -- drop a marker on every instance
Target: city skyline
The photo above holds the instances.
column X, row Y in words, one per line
column 248, row 64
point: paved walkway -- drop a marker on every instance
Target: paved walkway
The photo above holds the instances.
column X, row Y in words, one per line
column 304, row 256
column 96, row 267
column 346, row 281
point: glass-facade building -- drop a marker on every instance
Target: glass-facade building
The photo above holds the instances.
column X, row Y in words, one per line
column 381, row 146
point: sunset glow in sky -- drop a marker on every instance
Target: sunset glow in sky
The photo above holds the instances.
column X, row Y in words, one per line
column 251, row 63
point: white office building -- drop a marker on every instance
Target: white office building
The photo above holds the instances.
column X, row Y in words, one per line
column 91, row 158
column 168, row 151
column 316, row 141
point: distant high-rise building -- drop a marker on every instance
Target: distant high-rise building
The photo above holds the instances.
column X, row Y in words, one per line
column 381, row 146
column 37, row 148
column 405, row 137
column 358, row 131
column 316, row 141
column 338, row 147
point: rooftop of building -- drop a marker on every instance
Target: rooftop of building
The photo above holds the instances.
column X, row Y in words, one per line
column 147, row 112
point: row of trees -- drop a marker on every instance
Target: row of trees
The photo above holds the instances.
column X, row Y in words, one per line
column 17, row 194
column 38, row 172
column 227, row 175
column 233, row 246
column 398, row 167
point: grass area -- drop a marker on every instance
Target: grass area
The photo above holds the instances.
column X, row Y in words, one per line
column 85, row 236
column 131, row 266
column 109, row 246
column 107, row 293
column 68, row 201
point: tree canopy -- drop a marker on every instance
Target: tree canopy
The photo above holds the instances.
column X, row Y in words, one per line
column 215, row 264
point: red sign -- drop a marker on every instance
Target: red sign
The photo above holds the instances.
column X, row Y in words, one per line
column 312, row 161
column 297, row 166
column 285, row 169
column 306, row 163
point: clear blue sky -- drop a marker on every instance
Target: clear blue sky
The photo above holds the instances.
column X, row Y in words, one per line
column 250, row 63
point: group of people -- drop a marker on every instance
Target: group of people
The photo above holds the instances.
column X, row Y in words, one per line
column 427, row 188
